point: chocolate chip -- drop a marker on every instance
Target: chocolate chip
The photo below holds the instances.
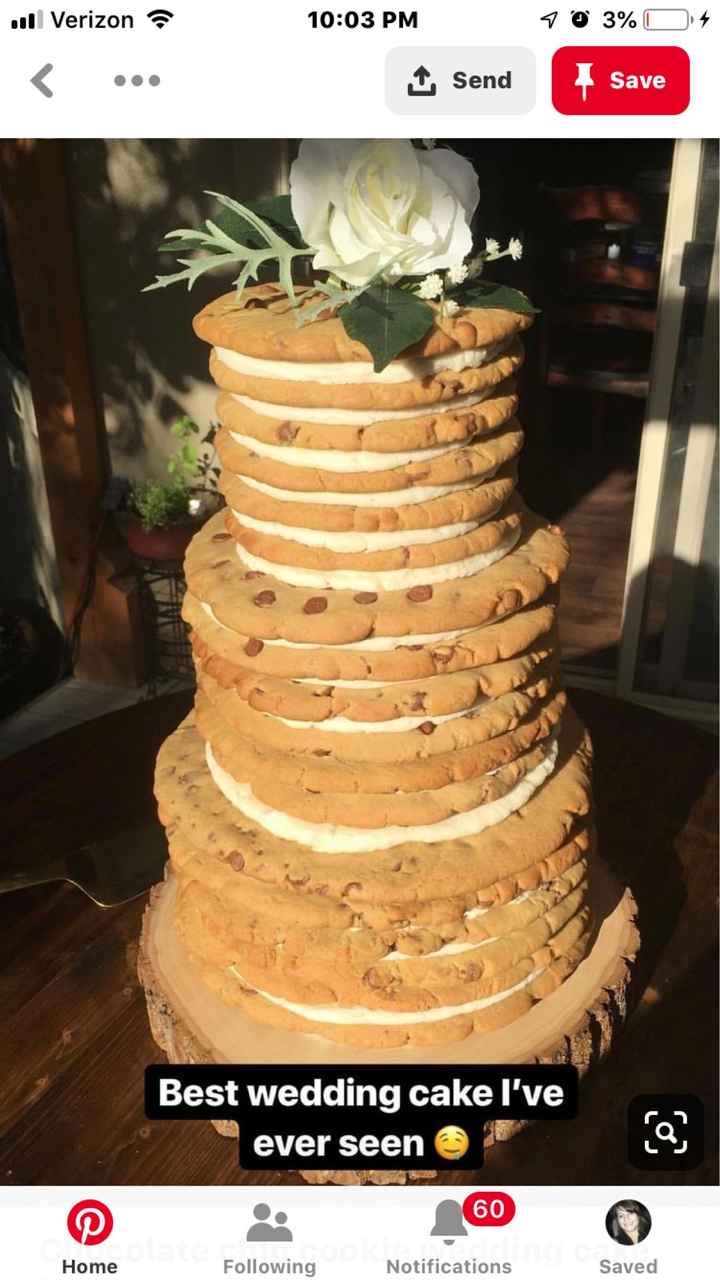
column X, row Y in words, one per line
column 236, row 860
column 253, row 573
column 418, row 702
column 264, row 599
column 374, row 979
column 218, row 563
column 426, row 727
column 316, row 604
column 365, row 597
column 254, row 647
column 419, row 594
column 472, row 972
column 220, row 537
column 396, row 866
column 320, row 752
column 442, row 655
column 298, row 881
column 510, row 600
column 286, row 431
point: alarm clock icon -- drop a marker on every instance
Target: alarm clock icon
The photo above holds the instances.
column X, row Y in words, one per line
column 580, row 17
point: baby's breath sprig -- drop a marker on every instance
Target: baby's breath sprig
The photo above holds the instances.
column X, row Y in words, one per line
column 460, row 285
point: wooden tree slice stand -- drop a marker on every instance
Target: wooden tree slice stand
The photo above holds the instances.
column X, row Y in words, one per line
column 576, row 1024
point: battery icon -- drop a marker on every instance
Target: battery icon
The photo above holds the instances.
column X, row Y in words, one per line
column 666, row 19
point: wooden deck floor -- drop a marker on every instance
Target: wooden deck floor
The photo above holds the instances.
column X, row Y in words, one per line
column 598, row 529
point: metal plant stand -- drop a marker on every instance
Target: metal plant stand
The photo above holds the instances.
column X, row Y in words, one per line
column 168, row 656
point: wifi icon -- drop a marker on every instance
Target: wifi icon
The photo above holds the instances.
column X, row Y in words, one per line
column 160, row 17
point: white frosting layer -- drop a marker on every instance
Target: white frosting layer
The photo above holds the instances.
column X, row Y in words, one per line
column 376, row 644
column 456, row 948
column 381, row 580
column 360, row 417
column 450, row 949
column 358, row 1015
column 358, row 460
column 326, row 837
column 401, row 724
column 355, row 542
column 353, row 684
column 358, row 372
column 392, row 498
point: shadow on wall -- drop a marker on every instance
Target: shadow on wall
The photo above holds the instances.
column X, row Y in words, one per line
column 127, row 194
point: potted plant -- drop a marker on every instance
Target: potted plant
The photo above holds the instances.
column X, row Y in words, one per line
column 162, row 517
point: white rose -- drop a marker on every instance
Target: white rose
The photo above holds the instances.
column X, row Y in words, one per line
column 368, row 208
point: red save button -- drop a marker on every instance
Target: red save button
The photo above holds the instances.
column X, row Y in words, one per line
column 606, row 80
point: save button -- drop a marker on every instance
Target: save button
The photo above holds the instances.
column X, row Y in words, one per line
column 626, row 80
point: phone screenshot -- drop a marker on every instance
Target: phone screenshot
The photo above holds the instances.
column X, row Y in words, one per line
column 358, row 640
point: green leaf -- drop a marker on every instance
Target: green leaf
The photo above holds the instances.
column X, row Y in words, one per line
column 387, row 320
column 261, row 243
column 486, row 293
column 277, row 211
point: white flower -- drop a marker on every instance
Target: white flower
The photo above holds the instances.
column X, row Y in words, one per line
column 451, row 307
column 492, row 248
column 431, row 287
column 475, row 267
column 458, row 274
column 362, row 206
column 515, row 249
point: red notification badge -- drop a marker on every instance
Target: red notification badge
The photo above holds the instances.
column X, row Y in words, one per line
column 488, row 1209
column 628, row 80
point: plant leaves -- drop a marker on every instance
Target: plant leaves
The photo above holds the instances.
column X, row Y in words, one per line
column 486, row 293
column 264, row 244
column 274, row 210
column 387, row 320
column 277, row 211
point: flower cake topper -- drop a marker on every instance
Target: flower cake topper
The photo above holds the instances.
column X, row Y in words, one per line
column 387, row 224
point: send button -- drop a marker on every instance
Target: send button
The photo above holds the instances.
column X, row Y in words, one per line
column 488, row 81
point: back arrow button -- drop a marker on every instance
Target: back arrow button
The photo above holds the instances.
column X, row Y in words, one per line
column 39, row 79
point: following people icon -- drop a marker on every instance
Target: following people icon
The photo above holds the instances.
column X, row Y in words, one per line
column 263, row 1229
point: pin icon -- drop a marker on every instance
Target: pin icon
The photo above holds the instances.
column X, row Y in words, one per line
column 584, row 78
column 90, row 1222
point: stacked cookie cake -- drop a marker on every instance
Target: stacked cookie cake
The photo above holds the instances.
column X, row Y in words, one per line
column 378, row 812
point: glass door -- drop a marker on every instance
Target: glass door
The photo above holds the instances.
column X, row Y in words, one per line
column 669, row 643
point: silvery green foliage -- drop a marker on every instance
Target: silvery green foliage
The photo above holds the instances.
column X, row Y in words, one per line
column 224, row 250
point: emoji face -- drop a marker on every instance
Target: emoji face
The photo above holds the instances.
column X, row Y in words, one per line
column 451, row 1142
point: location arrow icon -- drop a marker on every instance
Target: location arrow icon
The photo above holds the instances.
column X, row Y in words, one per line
column 550, row 18
column 39, row 80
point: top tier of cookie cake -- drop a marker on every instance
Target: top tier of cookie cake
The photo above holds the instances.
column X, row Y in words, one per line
column 378, row 812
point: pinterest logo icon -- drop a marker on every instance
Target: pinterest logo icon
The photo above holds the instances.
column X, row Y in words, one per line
column 90, row 1222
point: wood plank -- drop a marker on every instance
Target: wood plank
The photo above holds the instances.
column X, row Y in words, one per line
column 76, row 1101
column 41, row 242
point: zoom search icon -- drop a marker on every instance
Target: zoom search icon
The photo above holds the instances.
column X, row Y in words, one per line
column 89, row 1222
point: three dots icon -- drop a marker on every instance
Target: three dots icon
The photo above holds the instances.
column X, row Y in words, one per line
column 121, row 80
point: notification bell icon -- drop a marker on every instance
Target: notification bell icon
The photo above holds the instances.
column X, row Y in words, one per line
column 449, row 1221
